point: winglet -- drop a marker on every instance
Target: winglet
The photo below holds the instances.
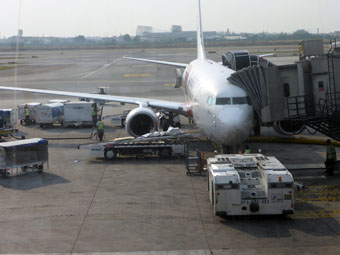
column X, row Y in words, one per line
column 200, row 39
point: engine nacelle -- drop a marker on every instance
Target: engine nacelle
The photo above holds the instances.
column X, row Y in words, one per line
column 288, row 127
column 141, row 121
column 179, row 78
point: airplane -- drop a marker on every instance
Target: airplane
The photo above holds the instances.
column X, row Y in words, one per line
column 222, row 111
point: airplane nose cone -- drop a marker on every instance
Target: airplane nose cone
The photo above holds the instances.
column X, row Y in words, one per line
column 235, row 124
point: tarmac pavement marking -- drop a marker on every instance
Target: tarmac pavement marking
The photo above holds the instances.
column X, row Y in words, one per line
column 170, row 85
column 101, row 68
column 137, row 75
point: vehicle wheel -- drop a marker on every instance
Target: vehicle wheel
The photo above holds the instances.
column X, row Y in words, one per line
column 165, row 153
column 24, row 168
column 109, row 154
column 40, row 168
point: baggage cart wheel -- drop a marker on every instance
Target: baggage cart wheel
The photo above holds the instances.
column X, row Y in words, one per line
column 40, row 168
column 109, row 154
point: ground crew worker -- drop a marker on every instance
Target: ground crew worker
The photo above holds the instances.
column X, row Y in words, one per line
column 27, row 115
column 330, row 158
column 94, row 114
column 247, row 150
column 100, row 129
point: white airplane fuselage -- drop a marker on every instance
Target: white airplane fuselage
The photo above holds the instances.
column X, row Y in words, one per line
column 220, row 109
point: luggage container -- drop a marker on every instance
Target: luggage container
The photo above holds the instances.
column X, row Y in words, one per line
column 23, row 154
column 49, row 114
column 21, row 111
column 249, row 184
column 78, row 113
column 8, row 120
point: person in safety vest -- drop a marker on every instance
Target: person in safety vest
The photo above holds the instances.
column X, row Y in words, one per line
column 100, row 129
column 27, row 115
column 330, row 158
column 94, row 114
column 247, row 150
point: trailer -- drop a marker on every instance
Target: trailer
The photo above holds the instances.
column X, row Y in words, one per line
column 78, row 113
column 49, row 114
column 23, row 155
column 8, row 120
column 251, row 184
column 163, row 145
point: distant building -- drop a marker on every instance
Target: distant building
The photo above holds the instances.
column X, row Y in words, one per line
column 143, row 29
column 176, row 29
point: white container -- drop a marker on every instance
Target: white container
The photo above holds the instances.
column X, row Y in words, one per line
column 50, row 113
column 78, row 112
column 31, row 106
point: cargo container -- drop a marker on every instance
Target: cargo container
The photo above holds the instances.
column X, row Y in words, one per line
column 78, row 113
column 23, row 154
column 21, row 111
column 8, row 120
column 49, row 114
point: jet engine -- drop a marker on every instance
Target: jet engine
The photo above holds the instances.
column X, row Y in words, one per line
column 179, row 78
column 141, row 121
column 288, row 127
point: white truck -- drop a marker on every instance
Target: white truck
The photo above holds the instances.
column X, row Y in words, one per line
column 249, row 184
column 78, row 113
column 49, row 114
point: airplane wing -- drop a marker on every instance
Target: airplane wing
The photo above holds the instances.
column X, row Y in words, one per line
column 174, row 64
column 177, row 107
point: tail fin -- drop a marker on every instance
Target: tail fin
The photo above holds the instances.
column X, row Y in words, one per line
column 200, row 39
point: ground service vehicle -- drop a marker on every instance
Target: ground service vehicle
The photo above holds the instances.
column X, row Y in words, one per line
column 250, row 184
column 162, row 145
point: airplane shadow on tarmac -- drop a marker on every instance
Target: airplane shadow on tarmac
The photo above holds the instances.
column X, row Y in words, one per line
column 29, row 181
column 264, row 226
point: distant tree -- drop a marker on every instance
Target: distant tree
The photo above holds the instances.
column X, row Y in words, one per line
column 80, row 39
column 127, row 38
column 137, row 39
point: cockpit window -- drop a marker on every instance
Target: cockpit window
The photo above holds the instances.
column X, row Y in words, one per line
column 241, row 100
column 223, row 100
column 233, row 100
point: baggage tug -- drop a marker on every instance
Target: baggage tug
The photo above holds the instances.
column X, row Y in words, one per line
column 249, row 184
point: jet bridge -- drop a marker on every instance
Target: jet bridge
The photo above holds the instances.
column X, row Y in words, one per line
column 291, row 97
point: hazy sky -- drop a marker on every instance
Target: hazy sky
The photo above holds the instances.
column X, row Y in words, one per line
column 114, row 17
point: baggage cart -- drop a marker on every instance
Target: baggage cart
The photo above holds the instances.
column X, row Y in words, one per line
column 23, row 155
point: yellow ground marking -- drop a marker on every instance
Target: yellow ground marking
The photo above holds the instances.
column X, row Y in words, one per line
column 317, row 214
column 318, row 194
column 137, row 75
column 169, row 84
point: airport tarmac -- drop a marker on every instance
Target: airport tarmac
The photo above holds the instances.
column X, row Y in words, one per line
column 143, row 206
